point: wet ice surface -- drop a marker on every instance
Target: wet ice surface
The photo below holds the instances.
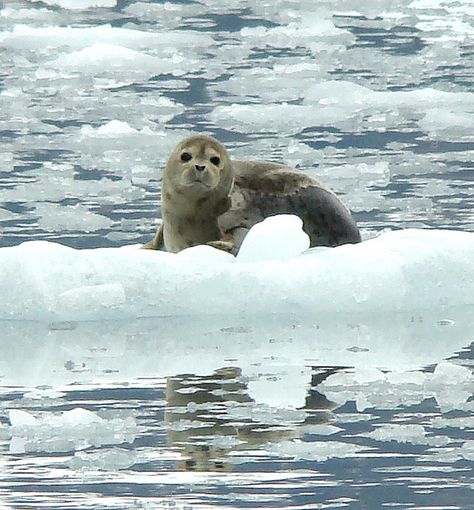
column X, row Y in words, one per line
column 313, row 411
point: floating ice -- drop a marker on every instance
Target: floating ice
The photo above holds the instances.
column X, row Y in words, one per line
column 79, row 4
column 398, row 271
column 339, row 103
column 450, row 384
column 109, row 59
column 445, row 124
column 71, row 430
column 463, row 422
column 271, row 84
column 112, row 128
column 296, row 34
column 105, row 144
column 20, row 418
column 23, row 36
column 167, row 13
column 406, row 433
column 282, row 118
column 111, row 459
column 53, row 217
column 6, row 215
column 314, row 450
column 23, row 15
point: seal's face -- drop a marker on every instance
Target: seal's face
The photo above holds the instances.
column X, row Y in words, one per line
column 198, row 166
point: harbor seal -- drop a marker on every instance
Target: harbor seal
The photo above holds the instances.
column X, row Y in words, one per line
column 207, row 198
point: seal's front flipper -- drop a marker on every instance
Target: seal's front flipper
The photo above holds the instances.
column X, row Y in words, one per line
column 227, row 246
column 158, row 242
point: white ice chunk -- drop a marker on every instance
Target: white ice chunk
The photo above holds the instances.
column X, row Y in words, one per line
column 110, row 59
column 6, row 215
column 276, row 238
column 315, row 450
column 111, row 460
column 115, row 127
column 451, row 385
column 271, row 84
column 19, row 418
column 282, row 118
column 467, row 450
column 446, row 124
column 168, row 14
column 352, row 96
column 448, row 373
column 79, row 417
column 296, row 34
column 463, row 422
column 349, row 106
column 406, row 433
column 41, row 393
column 79, row 5
column 24, row 15
column 286, row 389
column 53, row 217
column 75, row 429
column 25, row 36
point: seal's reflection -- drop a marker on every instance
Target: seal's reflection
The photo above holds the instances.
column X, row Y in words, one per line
column 210, row 418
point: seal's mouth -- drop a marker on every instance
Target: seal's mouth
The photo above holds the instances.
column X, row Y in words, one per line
column 198, row 182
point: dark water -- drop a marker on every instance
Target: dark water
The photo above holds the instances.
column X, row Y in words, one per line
column 277, row 412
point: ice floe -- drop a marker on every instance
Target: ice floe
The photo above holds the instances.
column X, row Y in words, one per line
column 75, row 429
column 78, row 38
column 352, row 107
column 397, row 271
column 79, row 4
column 450, row 384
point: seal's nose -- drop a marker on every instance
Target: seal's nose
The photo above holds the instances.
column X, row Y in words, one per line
column 200, row 168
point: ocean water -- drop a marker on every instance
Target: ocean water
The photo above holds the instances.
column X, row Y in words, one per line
column 276, row 411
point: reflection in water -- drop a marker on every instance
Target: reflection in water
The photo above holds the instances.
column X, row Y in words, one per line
column 210, row 418
column 261, row 427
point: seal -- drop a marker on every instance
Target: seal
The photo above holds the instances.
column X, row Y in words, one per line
column 207, row 198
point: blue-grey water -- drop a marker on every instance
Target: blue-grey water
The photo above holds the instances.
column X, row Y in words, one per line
column 370, row 412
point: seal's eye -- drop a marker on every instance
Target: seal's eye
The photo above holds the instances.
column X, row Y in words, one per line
column 186, row 156
column 215, row 160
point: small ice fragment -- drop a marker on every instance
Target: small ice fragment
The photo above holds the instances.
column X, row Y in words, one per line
column 111, row 459
column 80, row 417
column 79, row 5
column 116, row 127
column 315, row 450
column 275, row 238
column 449, row 373
column 19, row 418
column 411, row 433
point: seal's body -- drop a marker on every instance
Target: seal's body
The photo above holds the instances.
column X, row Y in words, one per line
column 209, row 199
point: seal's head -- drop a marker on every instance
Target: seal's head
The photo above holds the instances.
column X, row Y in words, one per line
column 199, row 166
